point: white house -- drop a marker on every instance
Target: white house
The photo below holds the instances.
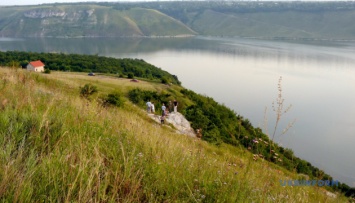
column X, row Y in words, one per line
column 36, row 66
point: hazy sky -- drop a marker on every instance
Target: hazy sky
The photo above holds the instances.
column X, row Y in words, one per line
column 34, row 2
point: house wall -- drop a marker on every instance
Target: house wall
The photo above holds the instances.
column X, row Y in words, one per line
column 30, row 67
column 36, row 69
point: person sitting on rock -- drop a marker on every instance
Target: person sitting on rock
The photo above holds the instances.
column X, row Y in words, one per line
column 175, row 106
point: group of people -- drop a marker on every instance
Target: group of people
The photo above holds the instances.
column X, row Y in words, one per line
column 150, row 107
column 172, row 106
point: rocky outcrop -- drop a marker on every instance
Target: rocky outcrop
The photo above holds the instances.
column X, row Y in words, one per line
column 179, row 122
column 42, row 13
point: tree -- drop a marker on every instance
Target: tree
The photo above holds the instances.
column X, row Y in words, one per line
column 130, row 75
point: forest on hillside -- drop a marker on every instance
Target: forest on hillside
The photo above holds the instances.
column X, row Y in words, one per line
column 89, row 63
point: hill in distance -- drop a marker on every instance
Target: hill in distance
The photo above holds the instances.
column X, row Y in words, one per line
column 87, row 21
column 269, row 20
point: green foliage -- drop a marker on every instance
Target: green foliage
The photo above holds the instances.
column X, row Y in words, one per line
column 47, row 71
column 89, row 63
column 115, row 99
column 164, row 80
column 140, row 97
column 88, row 90
column 130, row 75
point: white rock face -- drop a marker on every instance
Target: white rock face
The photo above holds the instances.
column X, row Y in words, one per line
column 44, row 13
column 178, row 121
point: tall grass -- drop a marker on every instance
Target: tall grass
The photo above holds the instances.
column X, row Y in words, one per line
column 58, row 147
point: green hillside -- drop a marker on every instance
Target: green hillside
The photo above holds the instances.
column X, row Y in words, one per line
column 289, row 20
column 288, row 24
column 58, row 146
column 284, row 19
column 246, row 25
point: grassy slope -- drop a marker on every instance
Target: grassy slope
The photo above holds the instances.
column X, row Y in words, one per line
column 244, row 25
column 155, row 23
column 56, row 146
column 288, row 24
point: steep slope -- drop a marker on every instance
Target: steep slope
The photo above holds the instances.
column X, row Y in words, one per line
column 86, row 21
column 58, row 146
column 155, row 23
column 290, row 20
column 244, row 25
column 282, row 24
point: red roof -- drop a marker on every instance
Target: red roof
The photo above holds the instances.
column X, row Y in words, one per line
column 36, row 63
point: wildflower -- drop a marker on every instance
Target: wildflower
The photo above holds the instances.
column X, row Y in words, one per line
column 255, row 141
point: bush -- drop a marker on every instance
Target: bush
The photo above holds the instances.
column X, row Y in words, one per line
column 135, row 95
column 88, row 90
column 47, row 71
column 130, row 75
column 164, row 80
column 114, row 99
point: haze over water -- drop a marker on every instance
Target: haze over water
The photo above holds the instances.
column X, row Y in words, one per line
column 318, row 79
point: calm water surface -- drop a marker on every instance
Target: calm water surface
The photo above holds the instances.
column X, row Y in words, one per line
column 318, row 80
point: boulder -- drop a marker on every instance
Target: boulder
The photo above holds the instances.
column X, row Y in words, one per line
column 178, row 121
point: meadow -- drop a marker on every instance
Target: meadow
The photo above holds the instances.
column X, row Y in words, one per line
column 59, row 147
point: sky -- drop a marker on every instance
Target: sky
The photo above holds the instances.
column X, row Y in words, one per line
column 36, row 2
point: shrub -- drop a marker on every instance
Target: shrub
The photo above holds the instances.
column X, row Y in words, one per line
column 88, row 90
column 47, row 71
column 114, row 99
column 130, row 75
column 164, row 80
column 135, row 95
